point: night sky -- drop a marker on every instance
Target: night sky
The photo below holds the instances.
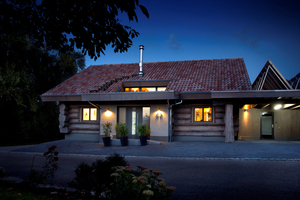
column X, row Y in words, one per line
column 215, row 29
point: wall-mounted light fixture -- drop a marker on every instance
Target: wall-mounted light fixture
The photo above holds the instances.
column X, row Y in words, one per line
column 245, row 110
column 159, row 113
column 108, row 113
column 277, row 107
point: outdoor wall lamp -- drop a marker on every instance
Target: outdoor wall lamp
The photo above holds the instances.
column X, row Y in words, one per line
column 245, row 110
column 159, row 113
column 277, row 107
column 108, row 113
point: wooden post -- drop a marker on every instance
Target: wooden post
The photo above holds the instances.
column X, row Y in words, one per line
column 229, row 129
column 62, row 119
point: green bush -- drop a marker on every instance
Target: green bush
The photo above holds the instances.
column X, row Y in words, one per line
column 122, row 129
column 140, row 184
column 96, row 177
column 106, row 128
column 46, row 175
column 143, row 129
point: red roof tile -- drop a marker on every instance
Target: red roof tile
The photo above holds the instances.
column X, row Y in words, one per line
column 184, row 76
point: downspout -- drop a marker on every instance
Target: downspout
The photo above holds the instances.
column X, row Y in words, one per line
column 99, row 107
column 170, row 118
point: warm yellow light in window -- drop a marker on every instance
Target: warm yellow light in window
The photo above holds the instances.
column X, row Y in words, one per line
column 93, row 114
column 127, row 89
column 198, row 114
column 161, row 88
column 135, row 89
column 148, row 89
column 86, row 114
column 108, row 113
column 207, row 114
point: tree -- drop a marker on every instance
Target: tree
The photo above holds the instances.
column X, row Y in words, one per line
column 25, row 73
column 65, row 24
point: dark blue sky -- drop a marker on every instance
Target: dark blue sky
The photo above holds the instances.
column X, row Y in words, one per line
column 214, row 29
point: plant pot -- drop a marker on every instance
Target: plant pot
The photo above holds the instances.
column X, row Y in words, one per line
column 124, row 141
column 143, row 140
column 106, row 141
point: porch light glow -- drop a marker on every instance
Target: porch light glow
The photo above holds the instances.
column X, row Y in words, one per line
column 288, row 105
column 277, row 106
column 159, row 112
column 108, row 113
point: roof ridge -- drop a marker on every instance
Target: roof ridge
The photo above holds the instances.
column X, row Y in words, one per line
column 169, row 61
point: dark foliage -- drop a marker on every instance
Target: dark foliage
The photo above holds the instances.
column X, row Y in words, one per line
column 65, row 24
column 96, row 177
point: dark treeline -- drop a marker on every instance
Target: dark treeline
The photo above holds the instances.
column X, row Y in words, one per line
column 37, row 51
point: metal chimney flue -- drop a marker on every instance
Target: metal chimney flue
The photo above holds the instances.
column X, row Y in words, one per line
column 141, row 61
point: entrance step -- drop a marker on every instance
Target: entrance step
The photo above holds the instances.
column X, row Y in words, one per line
column 132, row 142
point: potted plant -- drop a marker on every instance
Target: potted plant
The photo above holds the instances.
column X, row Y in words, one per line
column 106, row 130
column 122, row 131
column 143, row 131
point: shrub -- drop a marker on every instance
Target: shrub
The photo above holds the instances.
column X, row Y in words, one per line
column 106, row 128
column 37, row 177
column 96, row 177
column 143, row 129
column 140, row 184
column 122, row 129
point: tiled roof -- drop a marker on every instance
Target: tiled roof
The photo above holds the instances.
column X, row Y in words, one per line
column 184, row 76
column 295, row 82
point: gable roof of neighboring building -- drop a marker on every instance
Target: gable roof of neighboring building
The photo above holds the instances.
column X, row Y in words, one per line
column 295, row 82
column 183, row 76
column 270, row 79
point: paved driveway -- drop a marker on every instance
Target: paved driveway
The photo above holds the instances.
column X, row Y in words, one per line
column 239, row 150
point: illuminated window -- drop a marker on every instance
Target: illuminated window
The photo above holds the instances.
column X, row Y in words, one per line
column 132, row 89
column 161, row 88
column 148, row 89
column 89, row 114
column 145, row 89
column 203, row 114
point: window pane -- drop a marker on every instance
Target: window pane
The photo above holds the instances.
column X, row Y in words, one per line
column 161, row 88
column 86, row 114
column 122, row 115
column 146, row 115
column 198, row 114
column 148, row 89
column 207, row 114
column 133, row 125
column 132, row 89
column 94, row 114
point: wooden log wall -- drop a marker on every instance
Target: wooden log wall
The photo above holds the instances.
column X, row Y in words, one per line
column 183, row 122
column 75, row 125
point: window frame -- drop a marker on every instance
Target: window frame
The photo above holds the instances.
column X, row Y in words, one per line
column 89, row 121
column 203, row 107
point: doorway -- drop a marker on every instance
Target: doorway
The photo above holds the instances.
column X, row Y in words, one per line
column 133, row 116
column 267, row 125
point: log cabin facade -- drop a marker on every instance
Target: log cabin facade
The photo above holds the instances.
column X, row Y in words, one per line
column 200, row 100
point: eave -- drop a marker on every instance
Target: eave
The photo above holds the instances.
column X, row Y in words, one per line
column 117, row 96
column 243, row 96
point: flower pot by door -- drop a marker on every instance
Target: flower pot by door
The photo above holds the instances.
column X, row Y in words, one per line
column 106, row 141
column 124, row 141
column 143, row 140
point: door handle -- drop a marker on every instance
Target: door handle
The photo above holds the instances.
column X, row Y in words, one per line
column 272, row 125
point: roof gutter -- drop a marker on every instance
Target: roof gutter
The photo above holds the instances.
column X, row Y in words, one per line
column 170, row 118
